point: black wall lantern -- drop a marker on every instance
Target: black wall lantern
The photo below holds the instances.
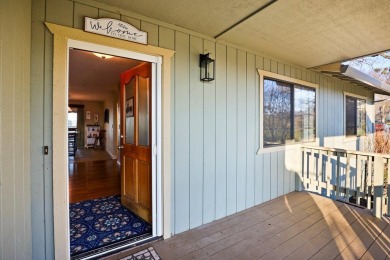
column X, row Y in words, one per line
column 207, row 67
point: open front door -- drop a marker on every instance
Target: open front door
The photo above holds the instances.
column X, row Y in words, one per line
column 136, row 163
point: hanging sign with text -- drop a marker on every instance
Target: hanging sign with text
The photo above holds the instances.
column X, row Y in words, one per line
column 116, row 29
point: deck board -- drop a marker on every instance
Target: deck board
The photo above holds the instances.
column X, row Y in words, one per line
column 285, row 226
column 299, row 225
column 242, row 227
column 380, row 248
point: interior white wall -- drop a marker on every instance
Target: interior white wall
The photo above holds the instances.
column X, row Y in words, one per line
column 111, row 127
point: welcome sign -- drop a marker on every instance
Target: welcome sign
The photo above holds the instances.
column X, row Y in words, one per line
column 116, row 29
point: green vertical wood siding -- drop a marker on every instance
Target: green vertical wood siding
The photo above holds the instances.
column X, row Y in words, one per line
column 215, row 126
column 220, row 132
column 15, row 181
column 231, row 140
column 196, row 165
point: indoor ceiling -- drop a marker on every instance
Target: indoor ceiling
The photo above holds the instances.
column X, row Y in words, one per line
column 307, row 33
column 92, row 78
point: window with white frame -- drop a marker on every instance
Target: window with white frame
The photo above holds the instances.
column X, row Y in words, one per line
column 355, row 116
column 288, row 112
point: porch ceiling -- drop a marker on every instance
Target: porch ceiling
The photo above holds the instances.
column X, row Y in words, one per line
column 303, row 32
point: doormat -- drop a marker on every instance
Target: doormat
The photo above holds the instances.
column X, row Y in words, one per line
column 146, row 254
column 101, row 222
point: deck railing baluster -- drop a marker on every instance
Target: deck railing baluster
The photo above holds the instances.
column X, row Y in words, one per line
column 358, row 178
column 371, row 172
column 388, row 187
column 328, row 173
column 347, row 177
column 302, row 183
column 378, row 186
column 338, row 176
column 320, row 177
column 369, row 182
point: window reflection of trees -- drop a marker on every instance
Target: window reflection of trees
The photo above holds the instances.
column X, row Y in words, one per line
column 289, row 113
column 355, row 116
column 304, row 114
column 277, row 112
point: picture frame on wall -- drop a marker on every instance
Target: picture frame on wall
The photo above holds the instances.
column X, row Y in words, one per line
column 95, row 118
column 88, row 115
column 130, row 107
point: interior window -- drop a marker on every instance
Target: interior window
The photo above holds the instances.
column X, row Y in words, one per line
column 72, row 117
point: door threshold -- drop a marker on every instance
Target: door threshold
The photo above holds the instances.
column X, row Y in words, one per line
column 116, row 247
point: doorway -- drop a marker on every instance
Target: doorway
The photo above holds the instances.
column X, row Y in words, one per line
column 65, row 37
column 113, row 193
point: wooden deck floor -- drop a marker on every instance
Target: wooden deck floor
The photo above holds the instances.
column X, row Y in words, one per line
column 299, row 225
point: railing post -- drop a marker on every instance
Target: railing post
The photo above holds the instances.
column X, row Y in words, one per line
column 358, row 178
column 328, row 173
column 388, row 197
column 378, row 187
column 300, row 180
column 320, row 176
column 347, row 177
column 338, row 167
column 369, row 182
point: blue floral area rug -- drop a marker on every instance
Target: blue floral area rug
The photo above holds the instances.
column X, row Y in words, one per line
column 101, row 222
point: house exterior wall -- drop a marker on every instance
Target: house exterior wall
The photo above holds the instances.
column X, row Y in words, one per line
column 215, row 126
column 15, row 182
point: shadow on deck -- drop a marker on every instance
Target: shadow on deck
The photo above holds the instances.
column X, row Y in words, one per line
column 299, row 225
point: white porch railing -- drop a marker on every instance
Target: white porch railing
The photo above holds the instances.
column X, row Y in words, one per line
column 352, row 176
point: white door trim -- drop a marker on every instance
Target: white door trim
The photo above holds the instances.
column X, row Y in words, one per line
column 63, row 37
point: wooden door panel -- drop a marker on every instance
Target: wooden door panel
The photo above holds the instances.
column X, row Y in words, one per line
column 144, row 182
column 130, row 179
column 136, row 154
column 141, row 153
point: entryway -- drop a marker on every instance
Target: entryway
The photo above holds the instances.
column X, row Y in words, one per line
column 64, row 38
column 112, row 127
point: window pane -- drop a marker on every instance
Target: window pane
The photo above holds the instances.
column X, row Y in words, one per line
column 304, row 114
column 277, row 112
column 361, row 117
column 129, row 111
column 72, row 118
column 143, row 111
column 350, row 116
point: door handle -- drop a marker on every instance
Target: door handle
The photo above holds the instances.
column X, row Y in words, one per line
column 120, row 147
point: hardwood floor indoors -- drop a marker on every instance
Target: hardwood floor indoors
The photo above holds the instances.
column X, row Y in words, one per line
column 92, row 174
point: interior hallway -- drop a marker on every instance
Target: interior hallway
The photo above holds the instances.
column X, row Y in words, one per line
column 92, row 174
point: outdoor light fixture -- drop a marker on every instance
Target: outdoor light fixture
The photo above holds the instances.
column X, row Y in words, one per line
column 207, row 67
